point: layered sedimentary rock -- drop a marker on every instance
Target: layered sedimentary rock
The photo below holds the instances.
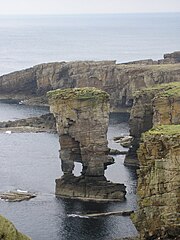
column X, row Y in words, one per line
column 82, row 117
column 158, row 184
column 169, row 58
column 43, row 123
column 119, row 80
column 9, row 232
column 152, row 107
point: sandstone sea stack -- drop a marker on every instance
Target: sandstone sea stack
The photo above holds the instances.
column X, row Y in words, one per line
column 82, row 117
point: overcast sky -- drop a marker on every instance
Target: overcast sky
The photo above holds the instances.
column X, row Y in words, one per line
column 86, row 6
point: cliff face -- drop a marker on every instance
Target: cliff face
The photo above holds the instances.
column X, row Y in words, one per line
column 158, row 184
column 152, row 107
column 82, row 117
column 22, row 82
column 166, row 108
column 119, row 80
column 9, row 232
column 159, row 160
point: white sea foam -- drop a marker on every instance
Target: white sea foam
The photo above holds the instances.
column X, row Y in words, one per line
column 21, row 191
column 77, row 215
column 8, row 132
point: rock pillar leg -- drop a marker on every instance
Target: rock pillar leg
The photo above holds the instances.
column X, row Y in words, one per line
column 82, row 117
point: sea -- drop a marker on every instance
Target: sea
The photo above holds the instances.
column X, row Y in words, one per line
column 30, row 161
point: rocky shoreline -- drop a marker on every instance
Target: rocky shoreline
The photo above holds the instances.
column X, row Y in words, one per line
column 43, row 123
column 17, row 196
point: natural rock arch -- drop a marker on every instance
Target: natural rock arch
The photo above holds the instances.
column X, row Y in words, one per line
column 82, row 117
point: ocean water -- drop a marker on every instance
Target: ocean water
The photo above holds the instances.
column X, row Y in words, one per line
column 30, row 161
column 29, row 40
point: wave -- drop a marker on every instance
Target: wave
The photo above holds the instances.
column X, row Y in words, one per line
column 77, row 215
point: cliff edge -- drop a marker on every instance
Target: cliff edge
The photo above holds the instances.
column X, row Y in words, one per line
column 158, row 184
column 9, row 232
column 156, row 123
column 120, row 81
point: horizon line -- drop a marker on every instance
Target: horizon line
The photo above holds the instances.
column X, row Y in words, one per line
column 100, row 13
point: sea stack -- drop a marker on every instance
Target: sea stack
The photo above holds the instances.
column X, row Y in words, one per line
column 82, row 117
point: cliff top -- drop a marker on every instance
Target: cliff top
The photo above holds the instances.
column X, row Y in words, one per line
column 8, row 231
column 78, row 93
column 164, row 130
column 162, row 90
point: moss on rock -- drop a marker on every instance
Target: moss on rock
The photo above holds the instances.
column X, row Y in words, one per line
column 9, row 232
column 79, row 94
column 161, row 90
column 164, row 130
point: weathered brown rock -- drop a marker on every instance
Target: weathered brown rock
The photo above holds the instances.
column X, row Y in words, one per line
column 119, row 80
column 152, row 107
column 16, row 196
column 158, row 184
column 171, row 57
column 9, row 232
column 43, row 123
column 82, row 117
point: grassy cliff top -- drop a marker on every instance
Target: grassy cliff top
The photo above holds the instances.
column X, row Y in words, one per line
column 78, row 93
column 8, row 231
column 161, row 90
column 164, row 130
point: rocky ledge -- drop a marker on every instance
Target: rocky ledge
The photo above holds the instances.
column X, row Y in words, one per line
column 44, row 123
column 16, row 196
column 82, row 117
column 152, row 106
column 158, row 184
column 9, row 232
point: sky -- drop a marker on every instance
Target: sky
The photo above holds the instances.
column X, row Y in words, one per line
column 87, row 6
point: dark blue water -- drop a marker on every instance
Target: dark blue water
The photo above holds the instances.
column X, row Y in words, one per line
column 29, row 161
column 30, row 40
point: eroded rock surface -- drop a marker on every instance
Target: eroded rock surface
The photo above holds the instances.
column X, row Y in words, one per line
column 82, row 117
column 16, row 196
column 152, row 107
column 43, row 123
column 158, row 184
column 119, row 80
column 159, row 159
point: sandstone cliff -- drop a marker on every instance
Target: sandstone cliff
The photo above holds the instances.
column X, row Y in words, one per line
column 152, row 107
column 159, row 157
column 158, row 184
column 9, row 232
column 119, row 80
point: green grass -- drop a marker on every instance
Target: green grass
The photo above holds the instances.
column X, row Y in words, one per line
column 78, row 93
column 162, row 90
column 164, row 130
